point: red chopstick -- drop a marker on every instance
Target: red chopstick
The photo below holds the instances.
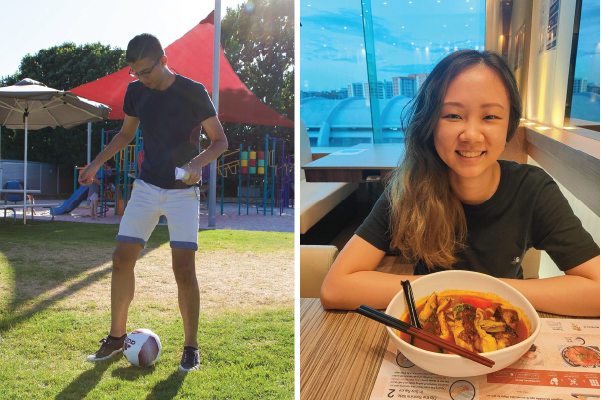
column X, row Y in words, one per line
column 423, row 335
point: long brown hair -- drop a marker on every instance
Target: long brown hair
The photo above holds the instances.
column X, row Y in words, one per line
column 427, row 221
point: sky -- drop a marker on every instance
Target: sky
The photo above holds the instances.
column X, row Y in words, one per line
column 587, row 56
column 331, row 38
column 410, row 36
column 28, row 27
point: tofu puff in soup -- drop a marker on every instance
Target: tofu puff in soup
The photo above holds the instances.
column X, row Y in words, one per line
column 480, row 322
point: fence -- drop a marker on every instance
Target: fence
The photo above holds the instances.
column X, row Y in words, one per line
column 40, row 176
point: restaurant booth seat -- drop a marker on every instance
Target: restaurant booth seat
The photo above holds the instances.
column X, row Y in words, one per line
column 316, row 198
column 315, row 262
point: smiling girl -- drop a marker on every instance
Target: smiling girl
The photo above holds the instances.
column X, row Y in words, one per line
column 452, row 204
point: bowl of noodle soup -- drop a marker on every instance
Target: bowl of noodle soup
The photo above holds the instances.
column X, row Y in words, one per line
column 473, row 310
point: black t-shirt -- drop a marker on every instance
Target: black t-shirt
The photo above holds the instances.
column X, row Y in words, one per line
column 170, row 121
column 527, row 210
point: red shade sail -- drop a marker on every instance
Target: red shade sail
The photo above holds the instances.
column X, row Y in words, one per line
column 192, row 57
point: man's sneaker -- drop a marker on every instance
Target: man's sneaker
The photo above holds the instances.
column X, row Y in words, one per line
column 190, row 359
column 110, row 346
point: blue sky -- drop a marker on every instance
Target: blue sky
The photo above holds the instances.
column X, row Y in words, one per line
column 410, row 37
column 587, row 61
column 28, row 27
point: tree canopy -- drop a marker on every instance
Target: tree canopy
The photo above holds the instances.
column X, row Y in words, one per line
column 62, row 67
column 257, row 39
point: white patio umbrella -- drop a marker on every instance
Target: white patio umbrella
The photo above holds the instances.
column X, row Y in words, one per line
column 31, row 105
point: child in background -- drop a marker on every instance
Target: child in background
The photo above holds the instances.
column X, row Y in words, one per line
column 93, row 191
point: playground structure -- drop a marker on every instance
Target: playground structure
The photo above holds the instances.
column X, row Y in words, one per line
column 125, row 171
column 269, row 177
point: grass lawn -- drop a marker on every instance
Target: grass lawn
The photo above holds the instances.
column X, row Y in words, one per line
column 55, row 307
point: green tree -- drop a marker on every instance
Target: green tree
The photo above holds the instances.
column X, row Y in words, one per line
column 258, row 41
column 62, row 67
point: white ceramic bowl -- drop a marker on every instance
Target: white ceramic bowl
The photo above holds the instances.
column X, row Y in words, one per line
column 451, row 364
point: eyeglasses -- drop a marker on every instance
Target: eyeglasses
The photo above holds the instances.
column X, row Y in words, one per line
column 143, row 74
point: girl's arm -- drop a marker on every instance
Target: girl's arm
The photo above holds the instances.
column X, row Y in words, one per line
column 576, row 293
column 353, row 281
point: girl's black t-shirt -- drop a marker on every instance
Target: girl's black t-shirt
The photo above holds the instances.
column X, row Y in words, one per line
column 527, row 210
column 170, row 121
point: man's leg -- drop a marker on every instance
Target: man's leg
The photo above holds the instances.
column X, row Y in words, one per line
column 137, row 224
column 122, row 284
column 188, row 295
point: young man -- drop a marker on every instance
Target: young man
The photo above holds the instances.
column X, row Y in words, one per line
column 171, row 111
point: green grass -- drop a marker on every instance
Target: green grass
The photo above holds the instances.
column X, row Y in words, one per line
column 243, row 355
column 70, row 235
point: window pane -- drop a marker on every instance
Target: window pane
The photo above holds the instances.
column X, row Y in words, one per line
column 333, row 71
column 585, row 97
column 410, row 37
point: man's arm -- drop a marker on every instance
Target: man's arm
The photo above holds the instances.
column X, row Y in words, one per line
column 122, row 139
column 214, row 130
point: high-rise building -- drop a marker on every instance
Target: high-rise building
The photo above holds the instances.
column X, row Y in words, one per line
column 592, row 87
column 384, row 90
column 580, row 85
column 355, row 90
column 419, row 79
column 388, row 89
column 404, row 86
column 379, row 90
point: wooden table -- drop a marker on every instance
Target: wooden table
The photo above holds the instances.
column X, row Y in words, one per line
column 376, row 160
column 341, row 351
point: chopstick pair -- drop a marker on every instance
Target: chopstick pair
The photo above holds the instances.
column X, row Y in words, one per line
column 411, row 304
column 426, row 336
column 412, row 309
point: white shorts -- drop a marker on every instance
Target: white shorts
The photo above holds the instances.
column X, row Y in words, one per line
column 149, row 202
column 93, row 196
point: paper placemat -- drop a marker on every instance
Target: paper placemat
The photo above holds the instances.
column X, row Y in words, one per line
column 544, row 372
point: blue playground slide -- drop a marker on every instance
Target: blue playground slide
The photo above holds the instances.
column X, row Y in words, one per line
column 80, row 195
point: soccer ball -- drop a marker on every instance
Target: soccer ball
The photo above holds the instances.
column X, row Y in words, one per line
column 142, row 347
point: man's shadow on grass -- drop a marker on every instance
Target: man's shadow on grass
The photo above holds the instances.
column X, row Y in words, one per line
column 164, row 390
column 27, row 272
column 84, row 383
column 168, row 388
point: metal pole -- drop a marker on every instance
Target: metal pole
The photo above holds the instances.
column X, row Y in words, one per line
column 222, row 181
column 125, row 178
column 0, row 156
column 240, row 181
column 273, row 178
column 247, row 180
column 265, row 178
column 25, row 174
column 89, row 141
column 216, row 55
column 89, row 151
